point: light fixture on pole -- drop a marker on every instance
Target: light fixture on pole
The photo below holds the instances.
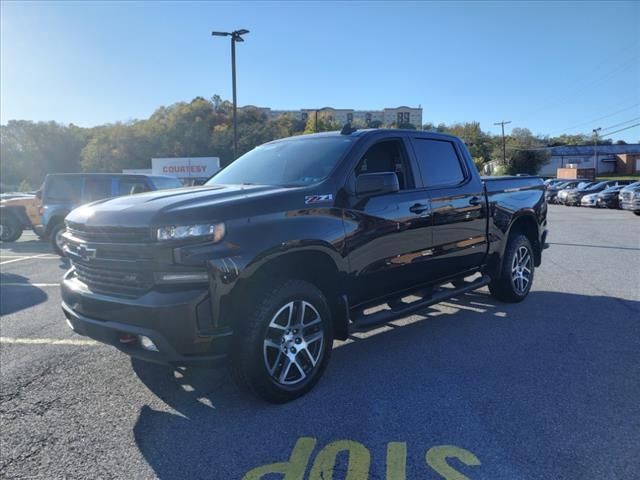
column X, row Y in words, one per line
column 236, row 36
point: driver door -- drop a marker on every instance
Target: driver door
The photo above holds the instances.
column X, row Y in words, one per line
column 388, row 234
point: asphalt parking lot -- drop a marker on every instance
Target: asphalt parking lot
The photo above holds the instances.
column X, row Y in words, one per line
column 470, row 388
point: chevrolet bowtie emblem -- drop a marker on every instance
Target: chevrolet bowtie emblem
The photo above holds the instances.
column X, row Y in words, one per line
column 86, row 253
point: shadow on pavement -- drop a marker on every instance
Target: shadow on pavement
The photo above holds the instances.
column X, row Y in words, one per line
column 11, row 301
column 532, row 389
column 28, row 247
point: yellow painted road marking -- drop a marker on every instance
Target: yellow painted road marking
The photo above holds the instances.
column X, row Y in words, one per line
column 29, row 257
column 47, row 341
column 39, row 285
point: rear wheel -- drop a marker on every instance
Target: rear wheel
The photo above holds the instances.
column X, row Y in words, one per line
column 10, row 229
column 282, row 346
column 516, row 277
column 55, row 238
column 637, row 212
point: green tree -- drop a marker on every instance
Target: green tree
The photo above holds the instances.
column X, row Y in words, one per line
column 30, row 150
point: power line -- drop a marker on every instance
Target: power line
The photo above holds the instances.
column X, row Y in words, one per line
column 562, row 99
column 621, row 123
column 590, row 122
column 623, row 129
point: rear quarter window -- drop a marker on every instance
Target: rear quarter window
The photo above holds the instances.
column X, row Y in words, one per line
column 63, row 189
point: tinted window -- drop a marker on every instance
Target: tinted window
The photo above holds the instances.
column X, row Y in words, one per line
column 130, row 186
column 162, row 183
column 63, row 189
column 387, row 156
column 438, row 162
column 97, row 188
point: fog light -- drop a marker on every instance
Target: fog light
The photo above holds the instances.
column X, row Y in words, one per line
column 148, row 344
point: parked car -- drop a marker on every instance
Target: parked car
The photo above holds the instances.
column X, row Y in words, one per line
column 574, row 197
column 564, row 193
column 291, row 245
column 62, row 192
column 608, row 198
column 18, row 213
column 630, row 198
column 551, row 194
column 589, row 200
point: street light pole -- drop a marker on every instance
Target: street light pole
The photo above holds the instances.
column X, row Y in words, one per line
column 236, row 36
column 235, row 100
column 595, row 150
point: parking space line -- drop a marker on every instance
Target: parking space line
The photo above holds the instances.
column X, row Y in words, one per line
column 38, row 285
column 47, row 341
column 29, row 257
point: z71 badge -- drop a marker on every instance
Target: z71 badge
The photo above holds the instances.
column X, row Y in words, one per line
column 311, row 199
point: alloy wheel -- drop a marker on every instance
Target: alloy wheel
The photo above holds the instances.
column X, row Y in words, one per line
column 294, row 343
column 521, row 269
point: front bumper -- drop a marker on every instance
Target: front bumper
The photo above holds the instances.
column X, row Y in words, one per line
column 173, row 319
column 633, row 204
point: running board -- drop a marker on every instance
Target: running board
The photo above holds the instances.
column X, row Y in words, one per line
column 400, row 309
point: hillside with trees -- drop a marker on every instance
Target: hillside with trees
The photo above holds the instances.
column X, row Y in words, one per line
column 203, row 127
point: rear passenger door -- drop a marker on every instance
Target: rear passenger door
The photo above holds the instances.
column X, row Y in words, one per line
column 457, row 204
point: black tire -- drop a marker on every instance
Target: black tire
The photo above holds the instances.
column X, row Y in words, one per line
column 10, row 229
column 54, row 238
column 262, row 323
column 636, row 212
column 505, row 287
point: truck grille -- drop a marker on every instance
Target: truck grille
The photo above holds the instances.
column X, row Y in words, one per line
column 128, row 283
column 109, row 234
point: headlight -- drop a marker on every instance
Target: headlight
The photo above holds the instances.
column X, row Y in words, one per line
column 214, row 232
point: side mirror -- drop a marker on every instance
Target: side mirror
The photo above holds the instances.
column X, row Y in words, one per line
column 39, row 194
column 377, row 183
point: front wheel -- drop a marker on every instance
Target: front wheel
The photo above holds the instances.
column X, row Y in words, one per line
column 515, row 279
column 637, row 212
column 283, row 344
column 10, row 229
column 55, row 237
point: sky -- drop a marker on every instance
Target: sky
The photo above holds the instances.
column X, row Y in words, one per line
column 551, row 67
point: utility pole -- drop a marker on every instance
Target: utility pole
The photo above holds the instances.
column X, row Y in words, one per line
column 504, row 143
column 595, row 151
column 236, row 36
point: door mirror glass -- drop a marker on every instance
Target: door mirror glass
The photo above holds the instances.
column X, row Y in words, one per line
column 377, row 183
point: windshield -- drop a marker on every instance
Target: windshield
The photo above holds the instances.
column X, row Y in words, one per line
column 596, row 186
column 295, row 162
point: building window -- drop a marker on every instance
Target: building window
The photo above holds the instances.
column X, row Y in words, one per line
column 367, row 118
column 406, row 117
column 400, row 118
column 349, row 117
column 305, row 116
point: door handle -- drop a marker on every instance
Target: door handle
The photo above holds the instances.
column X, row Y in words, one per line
column 475, row 201
column 419, row 208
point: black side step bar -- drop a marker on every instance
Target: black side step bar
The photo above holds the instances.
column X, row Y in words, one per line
column 361, row 321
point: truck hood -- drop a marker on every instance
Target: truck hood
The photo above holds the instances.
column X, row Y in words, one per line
column 171, row 207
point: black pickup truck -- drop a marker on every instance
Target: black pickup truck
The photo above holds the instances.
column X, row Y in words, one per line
column 292, row 246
